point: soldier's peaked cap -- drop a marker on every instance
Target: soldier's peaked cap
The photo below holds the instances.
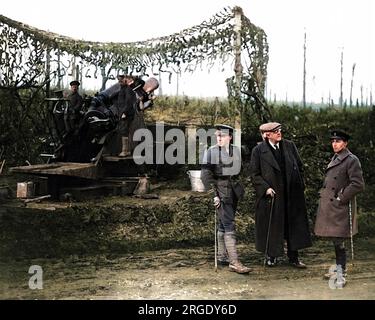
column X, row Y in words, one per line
column 269, row 126
column 224, row 127
column 339, row 134
column 74, row 82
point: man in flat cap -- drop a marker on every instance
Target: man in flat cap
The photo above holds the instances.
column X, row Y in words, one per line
column 221, row 162
column 280, row 212
column 337, row 203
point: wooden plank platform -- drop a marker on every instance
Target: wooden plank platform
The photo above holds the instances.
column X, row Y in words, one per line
column 72, row 169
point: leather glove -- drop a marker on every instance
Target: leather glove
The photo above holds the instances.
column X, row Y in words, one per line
column 217, row 202
column 270, row 192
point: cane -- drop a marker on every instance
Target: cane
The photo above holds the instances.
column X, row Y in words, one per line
column 351, row 229
column 215, row 239
column 213, row 189
column 268, row 231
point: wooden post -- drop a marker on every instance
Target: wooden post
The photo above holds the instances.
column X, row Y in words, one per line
column 177, row 83
column 160, row 89
column 48, row 72
column 58, row 70
column 73, row 71
column 77, row 74
column 238, row 71
column 104, row 77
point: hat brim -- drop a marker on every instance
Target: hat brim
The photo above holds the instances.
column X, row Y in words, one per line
column 339, row 138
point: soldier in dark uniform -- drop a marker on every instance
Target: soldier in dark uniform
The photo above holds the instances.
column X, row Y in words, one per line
column 129, row 108
column 125, row 109
column 344, row 179
column 276, row 172
column 221, row 162
column 75, row 98
column 72, row 113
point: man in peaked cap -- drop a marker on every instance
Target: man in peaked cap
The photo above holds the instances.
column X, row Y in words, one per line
column 280, row 213
column 221, row 162
column 74, row 83
column 339, row 135
column 337, row 203
column 75, row 98
column 72, row 113
column 223, row 128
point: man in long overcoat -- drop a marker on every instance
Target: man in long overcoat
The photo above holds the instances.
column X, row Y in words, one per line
column 344, row 179
column 280, row 209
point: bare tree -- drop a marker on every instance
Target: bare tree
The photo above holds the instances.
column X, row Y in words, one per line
column 341, row 76
column 351, row 86
column 304, row 73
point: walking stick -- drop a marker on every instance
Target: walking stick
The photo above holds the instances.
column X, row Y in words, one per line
column 215, row 239
column 213, row 189
column 268, row 231
column 351, row 228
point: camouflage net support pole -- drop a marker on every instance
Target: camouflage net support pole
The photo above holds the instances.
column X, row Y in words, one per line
column 238, row 69
column 215, row 239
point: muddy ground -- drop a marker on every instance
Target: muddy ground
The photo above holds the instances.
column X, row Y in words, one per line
column 114, row 264
column 189, row 274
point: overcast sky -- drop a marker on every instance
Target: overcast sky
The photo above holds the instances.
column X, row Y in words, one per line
column 331, row 26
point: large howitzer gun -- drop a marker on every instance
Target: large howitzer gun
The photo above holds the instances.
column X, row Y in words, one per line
column 84, row 151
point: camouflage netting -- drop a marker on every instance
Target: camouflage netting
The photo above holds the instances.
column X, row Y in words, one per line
column 27, row 53
column 33, row 61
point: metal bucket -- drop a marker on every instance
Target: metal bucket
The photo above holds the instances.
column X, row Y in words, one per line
column 196, row 181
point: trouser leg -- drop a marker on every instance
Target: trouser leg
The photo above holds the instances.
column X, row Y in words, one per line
column 292, row 254
column 340, row 252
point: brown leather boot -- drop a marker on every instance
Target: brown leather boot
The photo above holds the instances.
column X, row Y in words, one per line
column 238, row 267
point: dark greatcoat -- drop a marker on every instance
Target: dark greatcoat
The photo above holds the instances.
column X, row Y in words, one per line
column 343, row 179
column 75, row 102
column 266, row 173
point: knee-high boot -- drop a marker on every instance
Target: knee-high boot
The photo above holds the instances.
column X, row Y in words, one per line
column 222, row 255
column 234, row 264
